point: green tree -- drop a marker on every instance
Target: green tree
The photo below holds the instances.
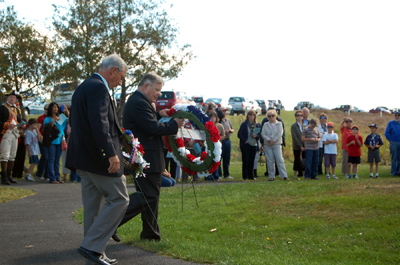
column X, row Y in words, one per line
column 144, row 36
column 25, row 57
column 141, row 32
column 81, row 33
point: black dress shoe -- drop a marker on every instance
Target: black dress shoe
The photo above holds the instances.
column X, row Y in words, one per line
column 93, row 256
column 116, row 237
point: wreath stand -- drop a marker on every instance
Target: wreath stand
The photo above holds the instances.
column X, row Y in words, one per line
column 194, row 191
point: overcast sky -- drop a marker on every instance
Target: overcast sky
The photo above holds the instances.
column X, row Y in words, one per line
column 326, row 52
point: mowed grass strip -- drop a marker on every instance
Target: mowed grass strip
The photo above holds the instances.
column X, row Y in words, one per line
column 284, row 222
column 11, row 193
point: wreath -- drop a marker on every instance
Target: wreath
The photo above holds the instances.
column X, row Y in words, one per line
column 133, row 153
column 210, row 159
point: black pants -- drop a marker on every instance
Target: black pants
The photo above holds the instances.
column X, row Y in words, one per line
column 171, row 164
column 19, row 163
column 297, row 165
column 248, row 155
column 145, row 201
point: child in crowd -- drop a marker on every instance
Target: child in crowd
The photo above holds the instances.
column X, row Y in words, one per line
column 354, row 143
column 373, row 142
column 32, row 139
column 330, row 140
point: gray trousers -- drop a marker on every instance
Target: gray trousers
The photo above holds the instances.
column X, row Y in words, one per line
column 102, row 219
column 274, row 153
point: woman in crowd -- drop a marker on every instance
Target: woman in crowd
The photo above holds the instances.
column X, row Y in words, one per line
column 272, row 132
column 298, row 144
column 55, row 148
column 249, row 133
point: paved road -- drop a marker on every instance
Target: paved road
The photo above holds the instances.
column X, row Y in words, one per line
column 40, row 229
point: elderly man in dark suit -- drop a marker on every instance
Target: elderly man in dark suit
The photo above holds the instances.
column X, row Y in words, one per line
column 95, row 152
column 140, row 117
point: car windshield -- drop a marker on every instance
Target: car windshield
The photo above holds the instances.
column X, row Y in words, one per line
column 198, row 100
column 260, row 102
column 236, row 99
column 215, row 100
column 166, row 95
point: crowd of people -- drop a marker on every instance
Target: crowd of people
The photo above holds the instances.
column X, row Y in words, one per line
column 315, row 146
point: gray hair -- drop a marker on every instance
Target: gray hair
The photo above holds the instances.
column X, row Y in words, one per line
column 305, row 108
column 151, row 78
column 113, row 60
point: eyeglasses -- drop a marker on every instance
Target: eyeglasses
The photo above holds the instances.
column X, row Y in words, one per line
column 397, row 115
column 270, row 116
column 299, row 115
column 349, row 121
column 323, row 118
column 252, row 114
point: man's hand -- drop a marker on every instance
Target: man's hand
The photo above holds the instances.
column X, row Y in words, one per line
column 163, row 113
column 114, row 164
column 180, row 122
column 11, row 126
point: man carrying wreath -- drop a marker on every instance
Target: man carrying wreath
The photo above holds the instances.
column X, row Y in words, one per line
column 140, row 117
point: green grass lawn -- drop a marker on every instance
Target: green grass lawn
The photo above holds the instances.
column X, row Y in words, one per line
column 282, row 222
column 12, row 193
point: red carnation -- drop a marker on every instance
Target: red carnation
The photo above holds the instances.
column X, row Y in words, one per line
column 190, row 172
column 140, row 148
column 179, row 142
column 166, row 140
column 190, row 157
column 171, row 112
column 214, row 166
column 204, row 155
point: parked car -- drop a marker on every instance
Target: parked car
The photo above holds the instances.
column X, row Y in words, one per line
column 170, row 98
column 379, row 109
column 303, row 104
column 199, row 101
column 344, row 108
column 220, row 102
column 117, row 97
column 263, row 106
column 62, row 93
column 255, row 107
column 240, row 105
column 34, row 105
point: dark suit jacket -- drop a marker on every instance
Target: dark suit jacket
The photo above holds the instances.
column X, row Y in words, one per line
column 243, row 134
column 297, row 143
column 95, row 132
column 141, row 118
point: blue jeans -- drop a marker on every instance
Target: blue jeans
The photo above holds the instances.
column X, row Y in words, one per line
column 312, row 157
column 226, row 157
column 167, row 182
column 395, row 153
column 320, row 160
column 74, row 176
column 53, row 162
column 42, row 166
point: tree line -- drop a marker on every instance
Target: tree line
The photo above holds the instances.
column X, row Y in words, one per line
column 141, row 32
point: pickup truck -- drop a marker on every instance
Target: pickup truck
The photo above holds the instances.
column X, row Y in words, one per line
column 240, row 105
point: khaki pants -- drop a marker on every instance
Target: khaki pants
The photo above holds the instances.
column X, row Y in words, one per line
column 8, row 147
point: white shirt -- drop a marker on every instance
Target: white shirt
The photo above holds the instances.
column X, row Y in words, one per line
column 330, row 148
